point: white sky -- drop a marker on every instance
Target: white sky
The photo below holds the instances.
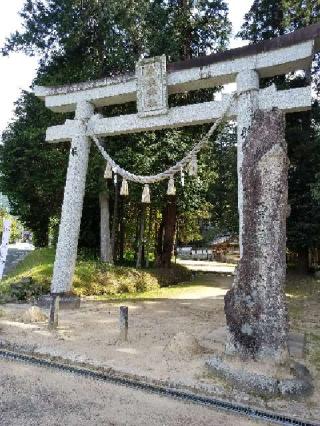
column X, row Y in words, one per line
column 17, row 71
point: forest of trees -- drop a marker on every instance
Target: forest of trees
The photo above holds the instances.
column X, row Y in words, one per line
column 84, row 39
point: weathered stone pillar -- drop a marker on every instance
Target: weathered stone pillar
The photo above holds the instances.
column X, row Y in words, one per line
column 66, row 252
column 105, row 240
column 255, row 306
column 247, row 88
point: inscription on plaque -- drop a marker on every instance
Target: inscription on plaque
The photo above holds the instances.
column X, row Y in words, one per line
column 152, row 93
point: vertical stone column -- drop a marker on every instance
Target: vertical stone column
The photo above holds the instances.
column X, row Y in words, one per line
column 255, row 306
column 247, row 88
column 66, row 252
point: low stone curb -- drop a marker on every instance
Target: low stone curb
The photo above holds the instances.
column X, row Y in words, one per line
column 261, row 384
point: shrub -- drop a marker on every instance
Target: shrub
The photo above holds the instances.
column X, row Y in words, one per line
column 32, row 278
column 116, row 280
column 176, row 274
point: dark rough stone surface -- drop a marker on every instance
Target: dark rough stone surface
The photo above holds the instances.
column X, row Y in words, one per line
column 255, row 307
column 67, row 301
column 263, row 385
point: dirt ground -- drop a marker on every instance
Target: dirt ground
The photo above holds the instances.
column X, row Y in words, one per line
column 169, row 340
column 31, row 396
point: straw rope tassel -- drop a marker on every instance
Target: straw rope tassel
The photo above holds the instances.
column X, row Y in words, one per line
column 171, row 188
column 146, row 194
column 124, row 188
column 108, row 171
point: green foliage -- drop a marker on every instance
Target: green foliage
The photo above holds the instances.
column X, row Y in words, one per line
column 33, row 172
column 32, row 277
column 98, row 279
column 315, row 188
column 304, row 154
column 223, row 183
column 85, row 39
column 16, row 227
column 189, row 225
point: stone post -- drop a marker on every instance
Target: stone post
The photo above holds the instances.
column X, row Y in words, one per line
column 105, row 239
column 123, row 322
column 247, row 88
column 255, row 306
column 67, row 246
column 54, row 311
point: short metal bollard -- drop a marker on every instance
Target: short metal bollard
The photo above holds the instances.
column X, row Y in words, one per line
column 123, row 323
column 54, row 311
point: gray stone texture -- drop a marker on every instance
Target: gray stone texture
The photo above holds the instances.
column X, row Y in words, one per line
column 66, row 252
column 255, row 307
column 297, row 345
column 298, row 382
column 248, row 90
column 66, row 301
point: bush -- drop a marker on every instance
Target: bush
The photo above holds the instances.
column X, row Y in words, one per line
column 32, row 278
column 176, row 274
column 109, row 280
column 27, row 289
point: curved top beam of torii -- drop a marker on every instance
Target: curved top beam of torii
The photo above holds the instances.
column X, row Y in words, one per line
column 277, row 56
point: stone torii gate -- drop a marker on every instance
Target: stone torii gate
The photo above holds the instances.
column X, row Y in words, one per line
column 153, row 81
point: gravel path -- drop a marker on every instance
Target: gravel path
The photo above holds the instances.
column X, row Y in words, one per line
column 31, row 396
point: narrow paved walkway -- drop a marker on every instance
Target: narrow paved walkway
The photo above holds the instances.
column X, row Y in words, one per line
column 31, row 396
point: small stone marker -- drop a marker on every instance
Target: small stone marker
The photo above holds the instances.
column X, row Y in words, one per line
column 297, row 345
column 54, row 311
column 123, row 323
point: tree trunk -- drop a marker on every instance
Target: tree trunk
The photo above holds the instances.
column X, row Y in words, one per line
column 115, row 221
column 121, row 230
column 303, row 261
column 136, row 237
column 169, row 231
column 186, row 48
column 141, row 237
column 148, row 245
column 159, row 242
column 105, row 242
column 166, row 233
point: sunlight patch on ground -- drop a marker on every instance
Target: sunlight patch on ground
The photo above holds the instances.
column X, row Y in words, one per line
column 202, row 293
column 130, row 351
column 207, row 265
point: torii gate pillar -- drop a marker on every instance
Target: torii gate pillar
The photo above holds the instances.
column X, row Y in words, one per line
column 248, row 102
column 66, row 253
